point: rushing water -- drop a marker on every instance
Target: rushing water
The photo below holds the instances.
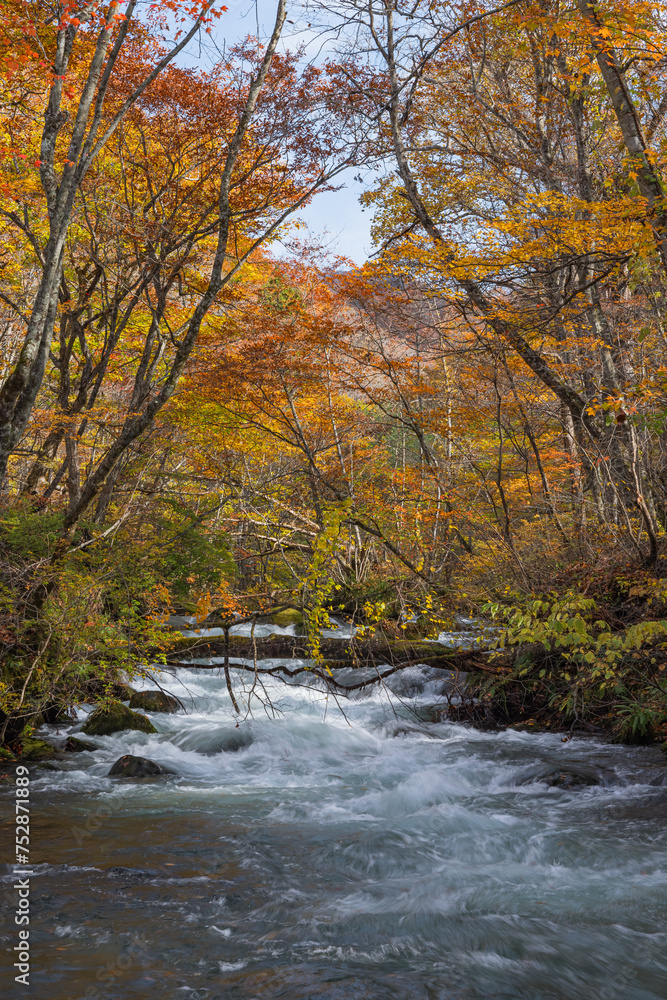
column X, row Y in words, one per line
column 347, row 855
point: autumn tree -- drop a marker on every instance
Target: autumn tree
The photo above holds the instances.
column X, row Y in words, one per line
column 510, row 197
column 202, row 187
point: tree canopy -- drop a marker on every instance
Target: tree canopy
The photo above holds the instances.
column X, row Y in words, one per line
column 473, row 422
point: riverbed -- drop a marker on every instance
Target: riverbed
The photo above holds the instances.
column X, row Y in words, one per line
column 345, row 850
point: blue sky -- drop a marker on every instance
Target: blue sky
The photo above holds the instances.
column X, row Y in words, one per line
column 335, row 218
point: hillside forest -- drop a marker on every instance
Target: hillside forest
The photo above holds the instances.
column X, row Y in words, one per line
column 205, row 414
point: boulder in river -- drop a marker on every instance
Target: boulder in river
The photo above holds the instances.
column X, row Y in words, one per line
column 114, row 719
column 565, row 778
column 74, row 745
column 154, row 701
column 120, row 871
column 136, row 767
column 35, row 749
column 569, row 776
column 219, row 741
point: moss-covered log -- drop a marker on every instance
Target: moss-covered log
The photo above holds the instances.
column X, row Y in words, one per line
column 338, row 652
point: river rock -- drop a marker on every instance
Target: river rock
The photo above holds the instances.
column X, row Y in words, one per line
column 569, row 779
column 35, row 749
column 136, row 767
column 154, row 701
column 74, row 745
column 120, row 871
column 115, row 719
column 570, row 776
column 225, row 741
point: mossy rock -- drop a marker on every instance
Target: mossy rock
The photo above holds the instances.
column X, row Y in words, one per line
column 290, row 616
column 114, row 719
column 154, row 701
column 664, row 747
column 6, row 755
column 35, row 749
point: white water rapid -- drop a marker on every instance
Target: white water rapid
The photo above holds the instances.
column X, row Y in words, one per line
column 345, row 851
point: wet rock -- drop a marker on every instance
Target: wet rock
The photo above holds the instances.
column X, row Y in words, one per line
column 136, row 767
column 660, row 780
column 114, row 719
column 416, row 680
column 230, row 742
column 397, row 729
column 118, row 871
column 571, row 776
column 154, row 701
column 74, row 745
column 653, row 808
column 210, row 742
column 569, row 779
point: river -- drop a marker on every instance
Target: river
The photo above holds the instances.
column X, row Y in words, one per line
column 346, row 852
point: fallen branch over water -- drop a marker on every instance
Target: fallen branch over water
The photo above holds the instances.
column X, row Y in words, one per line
column 373, row 654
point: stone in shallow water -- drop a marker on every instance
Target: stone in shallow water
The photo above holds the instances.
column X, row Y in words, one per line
column 74, row 745
column 119, row 871
column 136, row 767
column 569, row 776
column 154, row 701
column 569, row 779
column 115, row 719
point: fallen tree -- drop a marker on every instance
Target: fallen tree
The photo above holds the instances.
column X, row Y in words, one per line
column 336, row 653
